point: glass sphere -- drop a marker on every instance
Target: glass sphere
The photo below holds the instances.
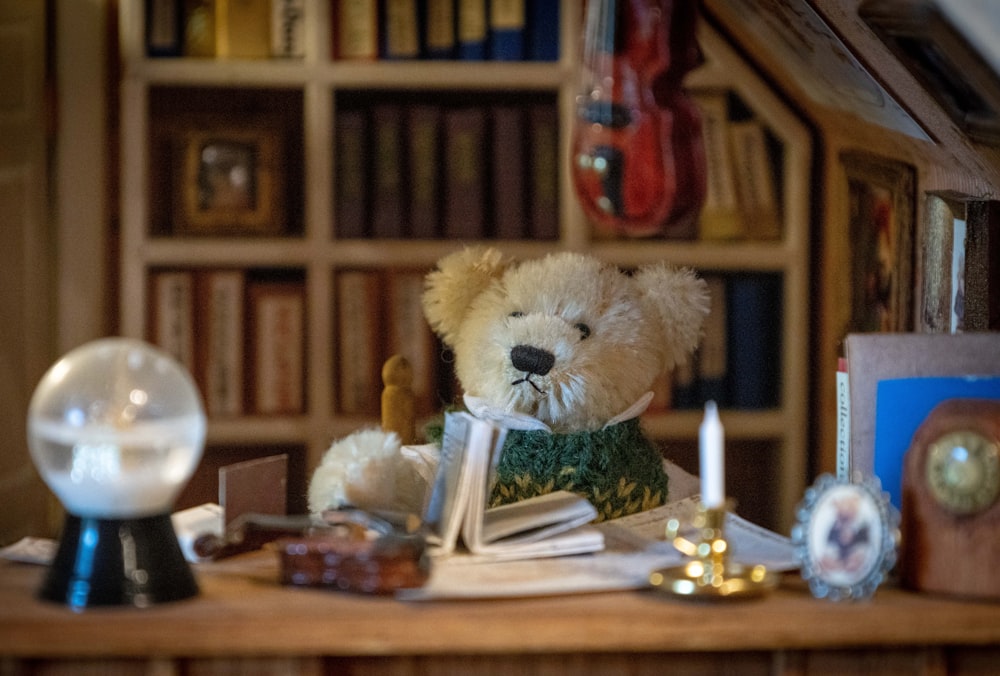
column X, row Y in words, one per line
column 116, row 428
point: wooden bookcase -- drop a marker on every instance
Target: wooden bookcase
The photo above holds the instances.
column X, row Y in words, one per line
column 769, row 483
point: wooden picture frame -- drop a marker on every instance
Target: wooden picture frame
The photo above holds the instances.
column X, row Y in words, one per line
column 943, row 60
column 228, row 180
column 960, row 265
column 880, row 226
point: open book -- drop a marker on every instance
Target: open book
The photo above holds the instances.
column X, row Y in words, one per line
column 549, row 525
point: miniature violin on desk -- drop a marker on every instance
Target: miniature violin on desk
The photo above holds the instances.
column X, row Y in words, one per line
column 637, row 156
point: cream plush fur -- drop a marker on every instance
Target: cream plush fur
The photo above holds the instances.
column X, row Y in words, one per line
column 592, row 338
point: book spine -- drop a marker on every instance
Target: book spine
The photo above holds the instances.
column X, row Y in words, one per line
column 278, row 323
column 843, row 385
column 544, row 171
column 200, row 29
column 542, row 27
column 509, row 194
column 754, row 307
column 685, row 384
column 221, row 320
column 720, row 215
column 471, row 23
column 288, row 20
column 172, row 319
column 354, row 31
column 424, row 160
column 352, row 174
column 506, row 30
column 164, row 28
column 399, row 37
column 243, row 29
column 464, row 130
column 359, row 342
column 410, row 335
column 712, row 355
column 755, row 185
column 387, row 203
column 438, row 26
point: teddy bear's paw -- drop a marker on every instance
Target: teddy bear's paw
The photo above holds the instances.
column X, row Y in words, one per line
column 359, row 470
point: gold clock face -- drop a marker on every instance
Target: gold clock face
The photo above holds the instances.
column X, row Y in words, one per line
column 963, row 471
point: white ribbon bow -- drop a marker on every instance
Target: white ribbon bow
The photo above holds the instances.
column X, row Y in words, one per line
column 522, row 421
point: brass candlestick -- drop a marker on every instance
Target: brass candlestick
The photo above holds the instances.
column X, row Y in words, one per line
column 710, row 574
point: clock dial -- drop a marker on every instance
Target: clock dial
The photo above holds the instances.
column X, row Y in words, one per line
column 963, row 471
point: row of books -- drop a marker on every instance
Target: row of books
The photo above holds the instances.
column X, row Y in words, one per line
column 472, row 30
column 379, row 314
column 432, row 170
column 241, row 29
column 742, row 200
column 500, row 30
column 738, row 362
column 240, row 333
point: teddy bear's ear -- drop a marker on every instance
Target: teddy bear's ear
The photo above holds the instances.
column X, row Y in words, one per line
column 680, row 300
column 458, row 279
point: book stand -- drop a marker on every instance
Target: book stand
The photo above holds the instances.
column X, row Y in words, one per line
column 710, row 574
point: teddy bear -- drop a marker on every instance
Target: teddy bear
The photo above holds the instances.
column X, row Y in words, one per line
column 562, row 351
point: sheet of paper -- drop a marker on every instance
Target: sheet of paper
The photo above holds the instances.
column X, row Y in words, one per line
column 634, row 547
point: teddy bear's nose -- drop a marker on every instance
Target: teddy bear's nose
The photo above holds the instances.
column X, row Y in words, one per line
column 532, row 359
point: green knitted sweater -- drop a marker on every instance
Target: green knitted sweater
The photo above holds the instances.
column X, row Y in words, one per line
column 617, row 468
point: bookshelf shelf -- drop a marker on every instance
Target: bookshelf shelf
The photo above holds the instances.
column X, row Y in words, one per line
column 739, row 425
column 317, row 91
column 451, row 75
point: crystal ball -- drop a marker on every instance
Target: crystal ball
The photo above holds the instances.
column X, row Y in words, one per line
column 116, row 428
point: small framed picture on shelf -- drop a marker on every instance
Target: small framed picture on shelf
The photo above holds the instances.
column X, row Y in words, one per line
column 846, row 537
column 227, row 180
column 880, row 229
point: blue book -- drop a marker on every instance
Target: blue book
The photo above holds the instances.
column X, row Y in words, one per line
column 713, row 364
column 753, row 350
column 506, row 30
column 471, row 30
column 901, row 404
column 542, row 30
column 164, row 28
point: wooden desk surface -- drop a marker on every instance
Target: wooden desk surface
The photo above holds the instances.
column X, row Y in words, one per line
column 242, row 611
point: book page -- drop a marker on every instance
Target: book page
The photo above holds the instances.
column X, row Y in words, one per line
column 536, row 518
column 621, row 565
column 748, row 542
column 634, row 546
column 450, row 492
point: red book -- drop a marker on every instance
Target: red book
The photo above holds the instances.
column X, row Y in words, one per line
column 278, row 340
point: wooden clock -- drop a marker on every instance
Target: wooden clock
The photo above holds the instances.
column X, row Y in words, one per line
column 951, row 501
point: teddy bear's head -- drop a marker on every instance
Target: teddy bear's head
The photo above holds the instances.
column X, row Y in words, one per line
column 566, row 338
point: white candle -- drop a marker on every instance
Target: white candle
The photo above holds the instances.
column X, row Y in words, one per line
column 711, row 446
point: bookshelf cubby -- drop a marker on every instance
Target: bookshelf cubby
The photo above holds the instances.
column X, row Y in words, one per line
column 306, row 99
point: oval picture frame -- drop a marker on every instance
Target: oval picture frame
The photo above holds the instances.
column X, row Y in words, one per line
column 845, row 537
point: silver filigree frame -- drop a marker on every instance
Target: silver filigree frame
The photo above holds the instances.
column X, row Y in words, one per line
column 846, row 537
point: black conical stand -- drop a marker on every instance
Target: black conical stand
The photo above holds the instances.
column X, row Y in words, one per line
column 118, row 562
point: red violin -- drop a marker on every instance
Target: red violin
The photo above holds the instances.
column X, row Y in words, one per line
column 638, row 161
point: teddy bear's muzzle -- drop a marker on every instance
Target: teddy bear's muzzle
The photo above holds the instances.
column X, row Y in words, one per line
column 532, row 359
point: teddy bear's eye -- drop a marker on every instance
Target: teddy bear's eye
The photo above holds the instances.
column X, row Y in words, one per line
column 584, row 330
column 516, row 314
